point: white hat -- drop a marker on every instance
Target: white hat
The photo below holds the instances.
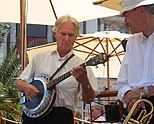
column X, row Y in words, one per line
column 132, row 4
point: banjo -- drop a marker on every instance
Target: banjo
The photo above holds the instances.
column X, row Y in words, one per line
column 43, row 102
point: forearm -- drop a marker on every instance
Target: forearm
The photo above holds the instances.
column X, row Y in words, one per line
column 151, row 91
column 122, row 90
column 135, row 94
column 21, row 85
column 88, row 94
column 29, row 90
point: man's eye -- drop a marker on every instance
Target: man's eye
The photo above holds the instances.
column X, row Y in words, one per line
column 71, row 35
column 63, row 34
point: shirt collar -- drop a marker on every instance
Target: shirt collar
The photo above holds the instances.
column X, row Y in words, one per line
column 66, row 56
column 149, row 36
column 143, row 38
column 152, row 34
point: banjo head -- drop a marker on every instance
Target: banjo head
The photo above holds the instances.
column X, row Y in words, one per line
column 43, row 102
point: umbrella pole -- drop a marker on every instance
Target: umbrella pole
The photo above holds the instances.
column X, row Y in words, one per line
column 53, row 9
column 23, row 36
column 108, row 73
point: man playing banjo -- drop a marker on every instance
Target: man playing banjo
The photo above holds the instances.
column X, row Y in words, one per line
column 81, row 83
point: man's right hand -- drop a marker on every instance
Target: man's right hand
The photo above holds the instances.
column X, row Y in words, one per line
column 28, row 89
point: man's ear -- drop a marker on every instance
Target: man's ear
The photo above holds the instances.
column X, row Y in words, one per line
column 142, row 9
column 144, row 12
column 54, row 34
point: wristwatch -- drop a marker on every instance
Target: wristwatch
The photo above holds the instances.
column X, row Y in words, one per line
column 146, row 91
column 87, row 87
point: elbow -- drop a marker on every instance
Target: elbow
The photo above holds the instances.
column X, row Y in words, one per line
column 87, row 101
column 89, row 98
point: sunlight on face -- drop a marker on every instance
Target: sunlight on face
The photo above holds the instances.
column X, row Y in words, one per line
column 134, row 20
column 65, row 37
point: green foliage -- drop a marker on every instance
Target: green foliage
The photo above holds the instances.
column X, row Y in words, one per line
column 4, row 30
column 9, row 71
column 9, row 109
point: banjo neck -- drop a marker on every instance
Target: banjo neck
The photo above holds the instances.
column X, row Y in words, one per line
column 94, row 61
column 55, row 81
column 39, row 108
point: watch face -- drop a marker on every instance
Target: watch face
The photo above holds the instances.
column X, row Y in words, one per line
column 87, row 87
column 146, row 91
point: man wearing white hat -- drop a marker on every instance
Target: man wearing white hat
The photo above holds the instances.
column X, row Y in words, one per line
column 136, row 75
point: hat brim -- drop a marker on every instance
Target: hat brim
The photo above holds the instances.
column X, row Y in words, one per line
column 127, row 6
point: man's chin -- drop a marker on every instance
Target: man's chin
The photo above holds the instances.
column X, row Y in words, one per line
column 134, row 31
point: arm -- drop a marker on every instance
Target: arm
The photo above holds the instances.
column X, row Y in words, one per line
column 28, row 89
column 88, row 93
column 132, row 96
column 126, row 93
column 122, row 84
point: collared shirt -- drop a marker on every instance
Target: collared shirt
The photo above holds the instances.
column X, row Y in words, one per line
column 69, row 90
column 137, row 69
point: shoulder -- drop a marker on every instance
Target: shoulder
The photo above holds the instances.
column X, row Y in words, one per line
column 41, row 55
column 136, row 36
column 78, row 59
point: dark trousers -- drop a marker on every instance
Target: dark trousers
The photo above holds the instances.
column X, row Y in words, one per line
column 58, row 115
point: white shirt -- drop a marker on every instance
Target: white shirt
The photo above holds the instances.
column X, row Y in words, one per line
column 137, row 69
column 69, row 90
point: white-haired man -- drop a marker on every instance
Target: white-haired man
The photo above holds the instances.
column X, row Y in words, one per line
column 136, row 75
column 81, row 83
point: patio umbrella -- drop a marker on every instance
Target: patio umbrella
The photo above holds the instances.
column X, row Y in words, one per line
column 113, row 4
column 88, row 45
column 46, row 11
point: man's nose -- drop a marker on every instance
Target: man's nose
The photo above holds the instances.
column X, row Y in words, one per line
column 66, row 37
